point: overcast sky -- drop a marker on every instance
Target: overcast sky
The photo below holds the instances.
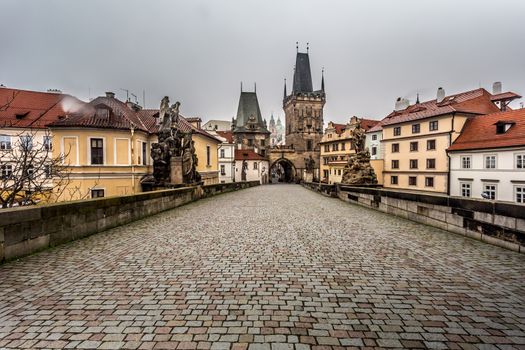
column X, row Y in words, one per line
column 198, row 51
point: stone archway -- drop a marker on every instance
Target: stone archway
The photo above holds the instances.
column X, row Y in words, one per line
column 283, row 171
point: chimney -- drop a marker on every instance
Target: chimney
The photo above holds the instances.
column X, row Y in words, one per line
column 110, row 94
column 440, row 95
column 496, row 88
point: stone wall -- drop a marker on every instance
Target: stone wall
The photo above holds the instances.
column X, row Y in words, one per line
column 26, row 230
column 498, row 223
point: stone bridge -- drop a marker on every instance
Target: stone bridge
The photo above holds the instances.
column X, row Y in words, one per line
column 270, row 267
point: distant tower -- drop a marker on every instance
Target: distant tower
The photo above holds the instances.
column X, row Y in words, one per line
column 273, row 132
column 303, row 109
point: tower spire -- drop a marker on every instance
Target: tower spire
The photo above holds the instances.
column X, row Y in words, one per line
column 322, row 79
column 284, row 88
column 297, row 46
column 255, row 87
column 241, row 86
column 417, row 99
column 307, row 47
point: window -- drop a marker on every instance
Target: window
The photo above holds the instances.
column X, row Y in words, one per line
column 413, row 164
column 144, row 153
column 97, row 151
column 433, row 125
column 343, row 146
column 263, row 143
column 393, row 180
column 431, row 163
column 465, row 189
column 309, row 145
column 335, row 147
column 6, row 170
column 48, row 145
column 223, row 169
column 431, row 145
column 466, row 162
column 48, row 171
column 397, row 131
column 490, row 191
column 395, row 164
column 339, row 172
column 412, row 180
column 208, row 156
column 327, row 148
column 222, row 153
column 5, row 142
column 374, row 137
column 395, row 147
column 414, row 146
column 97, row 193
column 429, row 182
column 416, row 128
column 325, row 160
column 254, row 165
column 520, row 161
column 374, row 150
column 503, row 127
column 26, row 142
column 325, row 174
column 250, row 142
column 490, row 162
column 520, row 194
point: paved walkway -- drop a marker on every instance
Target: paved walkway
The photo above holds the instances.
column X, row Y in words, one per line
column 272, row 267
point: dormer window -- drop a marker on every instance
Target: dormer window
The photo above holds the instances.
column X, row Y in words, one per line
column 503, row 126
column 102, row 113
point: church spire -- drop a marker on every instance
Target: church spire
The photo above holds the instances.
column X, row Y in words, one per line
column 284, row 88
column 417, row 99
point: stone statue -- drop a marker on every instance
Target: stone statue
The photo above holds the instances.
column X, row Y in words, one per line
column 358, row 170
column 309, row 164
column 244, row 170
column 173, row 149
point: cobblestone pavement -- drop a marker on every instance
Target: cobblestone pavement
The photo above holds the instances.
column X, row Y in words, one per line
column 272, row 267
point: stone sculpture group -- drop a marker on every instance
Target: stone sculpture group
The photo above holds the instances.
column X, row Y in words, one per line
column 358, row 170
column 174, row 158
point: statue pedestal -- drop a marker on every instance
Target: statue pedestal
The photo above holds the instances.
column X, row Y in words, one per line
column 308, row 177
column 176, row 170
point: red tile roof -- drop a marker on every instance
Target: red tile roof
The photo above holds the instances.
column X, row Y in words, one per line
column 228, row 135
column 247, row 154
column 473, row 102
column 375, row 128
column 34, row 109
column 480, row 132
column 365, row 124
column 505, row 96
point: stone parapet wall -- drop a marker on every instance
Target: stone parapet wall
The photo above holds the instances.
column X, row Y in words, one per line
column 498, row 223
column 26, row 230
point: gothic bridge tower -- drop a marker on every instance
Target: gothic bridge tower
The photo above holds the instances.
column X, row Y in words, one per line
column 303, row 109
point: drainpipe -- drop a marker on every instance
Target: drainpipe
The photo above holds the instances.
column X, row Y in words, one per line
column 132, row 163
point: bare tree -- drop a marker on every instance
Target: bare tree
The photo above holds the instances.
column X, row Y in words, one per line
column 28, row 171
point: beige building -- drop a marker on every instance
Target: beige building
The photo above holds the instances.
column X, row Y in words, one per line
column 336, row 146
column 415, row 137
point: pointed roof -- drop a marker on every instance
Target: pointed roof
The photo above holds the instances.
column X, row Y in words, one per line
column 302, row 77
column 249, row 114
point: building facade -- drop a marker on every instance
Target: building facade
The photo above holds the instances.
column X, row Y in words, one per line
column 488, row 159
column 303, row 129
column 251, row 166
column 336, row 147
column 226, row 157
column 415, row 137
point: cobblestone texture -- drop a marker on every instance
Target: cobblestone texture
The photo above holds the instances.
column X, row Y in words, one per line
column 272, row 267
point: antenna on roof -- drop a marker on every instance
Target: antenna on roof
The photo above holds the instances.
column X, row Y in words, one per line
column 136, row 99
column 127, row 93
column 417, row 98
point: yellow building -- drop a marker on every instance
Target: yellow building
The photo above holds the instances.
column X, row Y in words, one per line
column 336, row 146
column 106, row 148
column 415, row 137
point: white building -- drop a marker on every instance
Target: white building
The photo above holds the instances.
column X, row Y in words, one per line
column 226, row 156
column 217, row 125
column 250, row 166
column 373, row 141
column 488, row 159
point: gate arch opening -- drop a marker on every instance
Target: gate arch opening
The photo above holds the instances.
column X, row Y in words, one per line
column 283, row 171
